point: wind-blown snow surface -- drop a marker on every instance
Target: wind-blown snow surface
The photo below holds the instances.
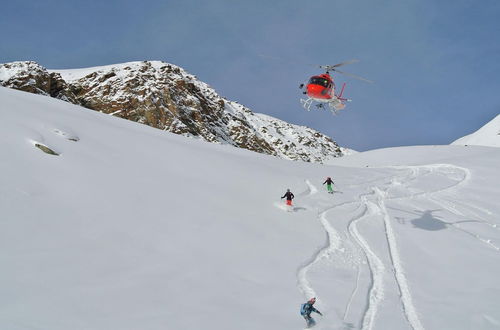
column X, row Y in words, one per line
column 132, row 228
column 488, row 135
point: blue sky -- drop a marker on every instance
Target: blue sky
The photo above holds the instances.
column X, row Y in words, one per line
column 435, row 64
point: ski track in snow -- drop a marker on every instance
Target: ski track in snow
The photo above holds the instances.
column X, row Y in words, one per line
column 312, row 189
column 374, row 204
column 437, row 197
column 409, row 309
column 375, row 266
column 331, row 244
column 353, row 294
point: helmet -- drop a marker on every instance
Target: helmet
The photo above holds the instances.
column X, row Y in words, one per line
column 288, row 190
column 312, row 300
column 328, row 178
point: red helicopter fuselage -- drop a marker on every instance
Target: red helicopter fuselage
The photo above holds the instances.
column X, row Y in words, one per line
column 321, row 87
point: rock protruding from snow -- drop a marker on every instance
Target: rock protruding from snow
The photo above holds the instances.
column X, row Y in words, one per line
column 166, row 97
column 33, row 78
column 488, row 135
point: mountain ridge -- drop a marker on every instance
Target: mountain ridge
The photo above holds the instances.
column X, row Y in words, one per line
column 166, row 97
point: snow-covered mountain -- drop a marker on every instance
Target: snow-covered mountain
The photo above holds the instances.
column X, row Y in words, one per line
column 166, row 97
column 106, row 224
column 488, row 135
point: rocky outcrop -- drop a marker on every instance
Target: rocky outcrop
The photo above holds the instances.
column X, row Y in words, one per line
column 33, row 78
column 165, row 96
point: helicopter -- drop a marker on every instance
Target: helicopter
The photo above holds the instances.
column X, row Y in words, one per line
column 321, row 89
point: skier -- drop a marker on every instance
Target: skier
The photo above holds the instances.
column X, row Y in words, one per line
column 306, row 309
column 329, row 183
column 289, row 196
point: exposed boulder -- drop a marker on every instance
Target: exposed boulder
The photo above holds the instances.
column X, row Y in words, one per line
column 33, row 78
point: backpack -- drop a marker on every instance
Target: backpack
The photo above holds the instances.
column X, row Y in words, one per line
column 303, row 309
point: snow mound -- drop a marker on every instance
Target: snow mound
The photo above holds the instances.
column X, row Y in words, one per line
column 488, row 135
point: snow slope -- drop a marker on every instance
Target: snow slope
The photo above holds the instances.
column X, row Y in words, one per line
column 488, row 135
column 132, row 228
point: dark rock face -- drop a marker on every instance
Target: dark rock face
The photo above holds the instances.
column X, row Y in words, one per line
column 166, row 97
column 31, row 77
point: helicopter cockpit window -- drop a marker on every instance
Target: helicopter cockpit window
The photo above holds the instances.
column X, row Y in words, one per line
column 319, row 81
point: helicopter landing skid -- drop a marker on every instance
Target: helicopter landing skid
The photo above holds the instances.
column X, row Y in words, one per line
column 306, row 104
column 335, row 105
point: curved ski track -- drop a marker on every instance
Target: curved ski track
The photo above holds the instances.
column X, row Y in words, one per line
column 373, row 203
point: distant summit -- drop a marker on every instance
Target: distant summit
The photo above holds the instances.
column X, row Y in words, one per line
column 488, row 135
column 166, row 97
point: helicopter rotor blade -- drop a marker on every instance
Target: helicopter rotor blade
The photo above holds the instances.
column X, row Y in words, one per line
column 345, row 63
column 354, row 76
column 332, row 67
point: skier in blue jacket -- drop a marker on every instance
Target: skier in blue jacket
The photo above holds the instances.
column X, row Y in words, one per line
column 306, row 309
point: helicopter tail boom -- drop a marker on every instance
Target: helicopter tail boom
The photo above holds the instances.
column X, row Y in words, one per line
column 341, row 92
